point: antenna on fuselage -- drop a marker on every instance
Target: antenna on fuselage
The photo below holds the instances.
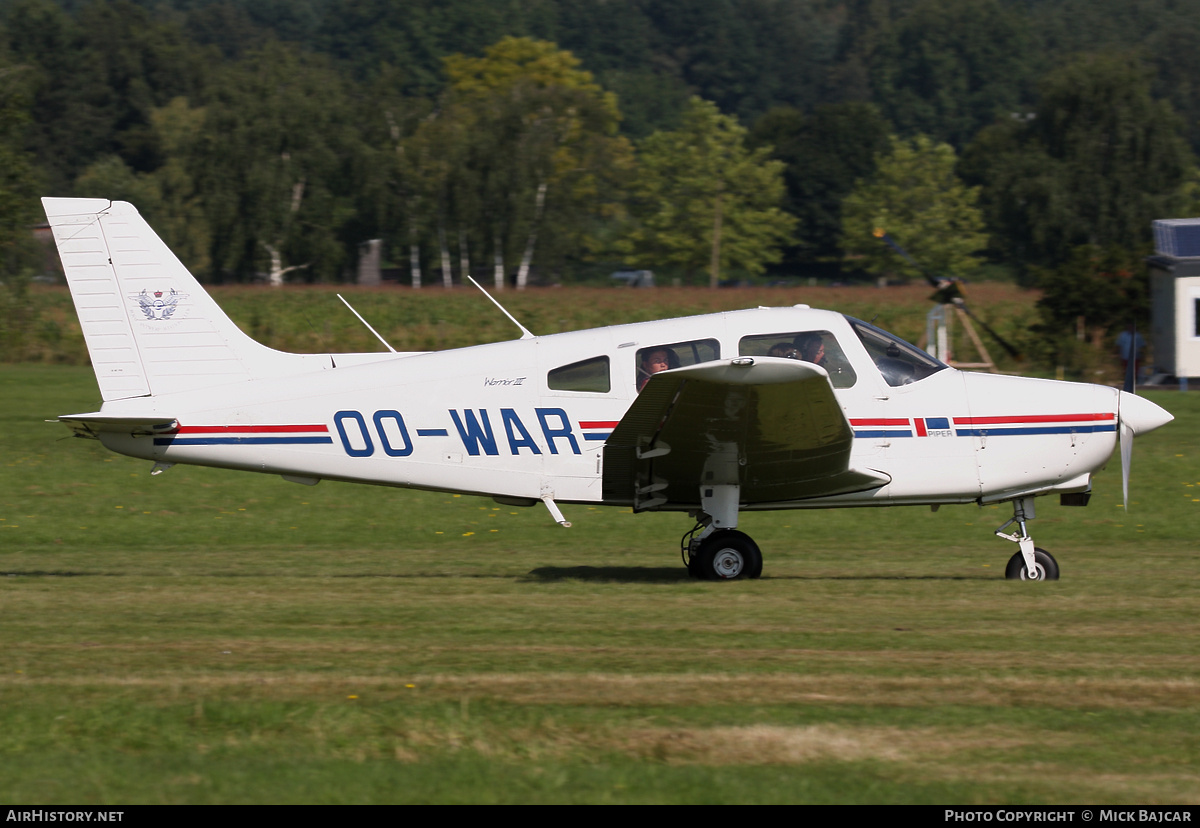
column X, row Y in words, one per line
column 368, row 324
column 525, row 334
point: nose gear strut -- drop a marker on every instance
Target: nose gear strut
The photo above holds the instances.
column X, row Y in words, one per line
column 1031, row 563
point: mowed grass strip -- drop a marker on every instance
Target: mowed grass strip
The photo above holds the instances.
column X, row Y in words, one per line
column 840, row 684
column 175, row 639
column 201, row 745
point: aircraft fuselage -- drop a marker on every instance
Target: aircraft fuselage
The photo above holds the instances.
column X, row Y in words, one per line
column 487, row 420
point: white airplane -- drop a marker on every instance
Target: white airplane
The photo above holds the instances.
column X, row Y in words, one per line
column 710, row 415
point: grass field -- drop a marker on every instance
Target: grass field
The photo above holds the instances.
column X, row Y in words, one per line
column 208, row 636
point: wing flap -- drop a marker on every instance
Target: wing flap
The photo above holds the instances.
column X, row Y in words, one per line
column 771, row 426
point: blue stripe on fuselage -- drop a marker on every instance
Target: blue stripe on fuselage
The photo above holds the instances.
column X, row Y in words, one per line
column 233, row 441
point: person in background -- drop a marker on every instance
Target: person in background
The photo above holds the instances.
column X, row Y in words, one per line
column 1130, row 346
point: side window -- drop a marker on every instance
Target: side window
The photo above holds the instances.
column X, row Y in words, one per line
column 590, row 375
column 658, row 358
column 818, row 347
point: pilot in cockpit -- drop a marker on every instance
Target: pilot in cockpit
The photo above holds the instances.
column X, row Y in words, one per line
column 784, row 350
column 811, row 348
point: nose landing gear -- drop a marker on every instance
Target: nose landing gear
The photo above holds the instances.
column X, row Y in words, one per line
column 1032, row 563
column 1045, row 568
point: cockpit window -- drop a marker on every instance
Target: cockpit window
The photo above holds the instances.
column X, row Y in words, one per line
column 590, row 375
column 898, row 362
column 818, row 347
column 659, row 358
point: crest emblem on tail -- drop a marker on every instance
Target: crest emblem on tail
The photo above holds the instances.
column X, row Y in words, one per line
column 158, row 305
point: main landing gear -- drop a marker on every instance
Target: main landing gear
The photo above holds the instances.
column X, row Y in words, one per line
column 1031, row 563
column 713, row 550
column 723, row 555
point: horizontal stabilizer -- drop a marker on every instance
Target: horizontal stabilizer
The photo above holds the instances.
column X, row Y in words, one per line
column 90, row 425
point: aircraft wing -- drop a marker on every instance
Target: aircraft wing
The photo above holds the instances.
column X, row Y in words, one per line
column 771, row 426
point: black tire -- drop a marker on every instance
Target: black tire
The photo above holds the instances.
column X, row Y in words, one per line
column 728, row 555
column 1043, row 560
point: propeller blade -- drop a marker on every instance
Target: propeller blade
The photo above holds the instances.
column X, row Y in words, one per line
column 1136, row 415
column 1126, row 459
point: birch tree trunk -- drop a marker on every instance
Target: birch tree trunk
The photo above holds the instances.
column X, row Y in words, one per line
column 464, row 259
column 498, row 254
column 539, row 204
column 715, row 276
column 278, row 271
column 275, row 279
column 447, row 275
column 414, row 256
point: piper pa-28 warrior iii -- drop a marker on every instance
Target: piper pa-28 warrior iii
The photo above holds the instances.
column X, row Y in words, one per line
column 773, row 408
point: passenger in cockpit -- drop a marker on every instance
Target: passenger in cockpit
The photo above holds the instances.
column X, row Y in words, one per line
column 655, row 361
column 784, row 350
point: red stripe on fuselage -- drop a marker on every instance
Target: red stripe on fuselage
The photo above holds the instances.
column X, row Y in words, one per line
column 920, row 424
column 1036, row 418
column 879, row 422
column 598, row 423
column 259, row 429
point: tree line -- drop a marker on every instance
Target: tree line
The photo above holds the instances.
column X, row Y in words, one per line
column 704, row 138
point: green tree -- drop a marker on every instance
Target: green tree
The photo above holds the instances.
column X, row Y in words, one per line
column 826, row 153
column 744, row 55
column 416, row 36
column 19, row 207
column 949, row 67
column 702, row 198
column 1086, row 300
column 542, row 151
column 19, row 211
column 1098, row 161
column 166, row 198
column 277, row 165
column 97, row 77
column 917, row 199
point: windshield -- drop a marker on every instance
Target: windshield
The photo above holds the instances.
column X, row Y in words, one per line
column 898, row 362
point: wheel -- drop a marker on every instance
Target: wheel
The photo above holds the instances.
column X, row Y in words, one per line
column 728, row 554
column 1047, row 567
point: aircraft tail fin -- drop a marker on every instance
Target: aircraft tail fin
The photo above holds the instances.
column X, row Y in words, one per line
column 150, row 327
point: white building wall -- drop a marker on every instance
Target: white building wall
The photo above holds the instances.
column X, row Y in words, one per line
column 1187, row 327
